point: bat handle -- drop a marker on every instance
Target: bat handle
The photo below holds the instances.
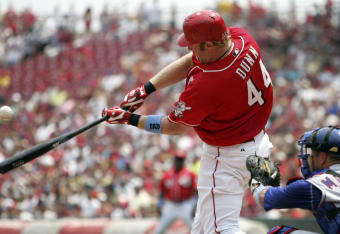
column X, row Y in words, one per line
column 104, row 118
column 126, row 108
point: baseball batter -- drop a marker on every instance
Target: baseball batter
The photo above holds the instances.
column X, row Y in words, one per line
column 227, row 99
column 177, row 191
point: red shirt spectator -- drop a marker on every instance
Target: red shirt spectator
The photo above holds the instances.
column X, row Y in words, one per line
column 27, row 19
column 178, row 184
column 11, row 20
column 88, row 19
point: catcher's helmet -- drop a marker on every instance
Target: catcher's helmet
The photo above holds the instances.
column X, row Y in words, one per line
column 201, row 26
column 321, row 139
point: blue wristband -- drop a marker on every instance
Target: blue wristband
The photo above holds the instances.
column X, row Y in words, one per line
column 154, row 123
column 160, row 202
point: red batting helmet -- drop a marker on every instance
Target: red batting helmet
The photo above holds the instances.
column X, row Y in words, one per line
column 201, row 26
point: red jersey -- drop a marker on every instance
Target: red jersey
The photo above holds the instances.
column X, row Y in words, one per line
column 178, row 186
column 229, row 101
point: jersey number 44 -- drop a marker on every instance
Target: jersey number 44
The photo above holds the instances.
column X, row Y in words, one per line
column 255, row 95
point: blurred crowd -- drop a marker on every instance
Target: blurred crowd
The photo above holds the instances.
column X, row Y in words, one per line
column 58, row 78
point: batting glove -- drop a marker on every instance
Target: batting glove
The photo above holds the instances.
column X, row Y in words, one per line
column 135, row 98
column 119, row 116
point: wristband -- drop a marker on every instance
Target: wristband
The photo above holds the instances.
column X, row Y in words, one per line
column 154, row 123
column 160, row 202
column 149, row 88
column 134, row 119
column 257, row 193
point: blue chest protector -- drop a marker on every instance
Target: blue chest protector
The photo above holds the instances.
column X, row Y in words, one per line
column 328, row 214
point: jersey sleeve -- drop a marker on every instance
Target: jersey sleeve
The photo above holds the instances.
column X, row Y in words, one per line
column 195, row 103
column 299, row 194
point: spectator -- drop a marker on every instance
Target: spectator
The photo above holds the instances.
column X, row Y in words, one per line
column 177, row 191
column 155, row 16
column 88, row 19
column 105, row 19
column 28, row 20
column 11, row 20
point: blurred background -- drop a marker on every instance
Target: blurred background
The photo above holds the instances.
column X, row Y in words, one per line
column 62, row 62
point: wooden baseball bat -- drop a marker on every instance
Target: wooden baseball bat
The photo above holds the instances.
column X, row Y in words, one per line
column 28, row 155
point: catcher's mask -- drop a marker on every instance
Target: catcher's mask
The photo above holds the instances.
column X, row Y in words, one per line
column 321, row 139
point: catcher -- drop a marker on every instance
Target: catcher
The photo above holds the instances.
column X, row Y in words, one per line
column 318, row 191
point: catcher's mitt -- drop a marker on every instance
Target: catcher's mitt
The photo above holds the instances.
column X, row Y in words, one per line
column 263, row 171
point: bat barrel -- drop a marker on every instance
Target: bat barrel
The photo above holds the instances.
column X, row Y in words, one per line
column 42, row 148
column 24, row 157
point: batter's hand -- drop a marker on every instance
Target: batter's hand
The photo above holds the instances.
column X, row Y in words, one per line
column 117, row 115
column 135, row 98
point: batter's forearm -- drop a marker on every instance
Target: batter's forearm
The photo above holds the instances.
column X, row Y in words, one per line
column 173, row 73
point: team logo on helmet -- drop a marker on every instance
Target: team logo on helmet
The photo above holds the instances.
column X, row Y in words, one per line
column 180, row 108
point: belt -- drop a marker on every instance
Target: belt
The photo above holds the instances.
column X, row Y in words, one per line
column 216, row 150
column 179, row 201
column 252, row 139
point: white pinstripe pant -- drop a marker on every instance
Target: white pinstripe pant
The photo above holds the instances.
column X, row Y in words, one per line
column 222, row 180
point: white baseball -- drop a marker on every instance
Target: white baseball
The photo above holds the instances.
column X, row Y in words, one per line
column 6, row 113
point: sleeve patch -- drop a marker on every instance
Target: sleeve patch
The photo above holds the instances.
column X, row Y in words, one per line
column 179, row 109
